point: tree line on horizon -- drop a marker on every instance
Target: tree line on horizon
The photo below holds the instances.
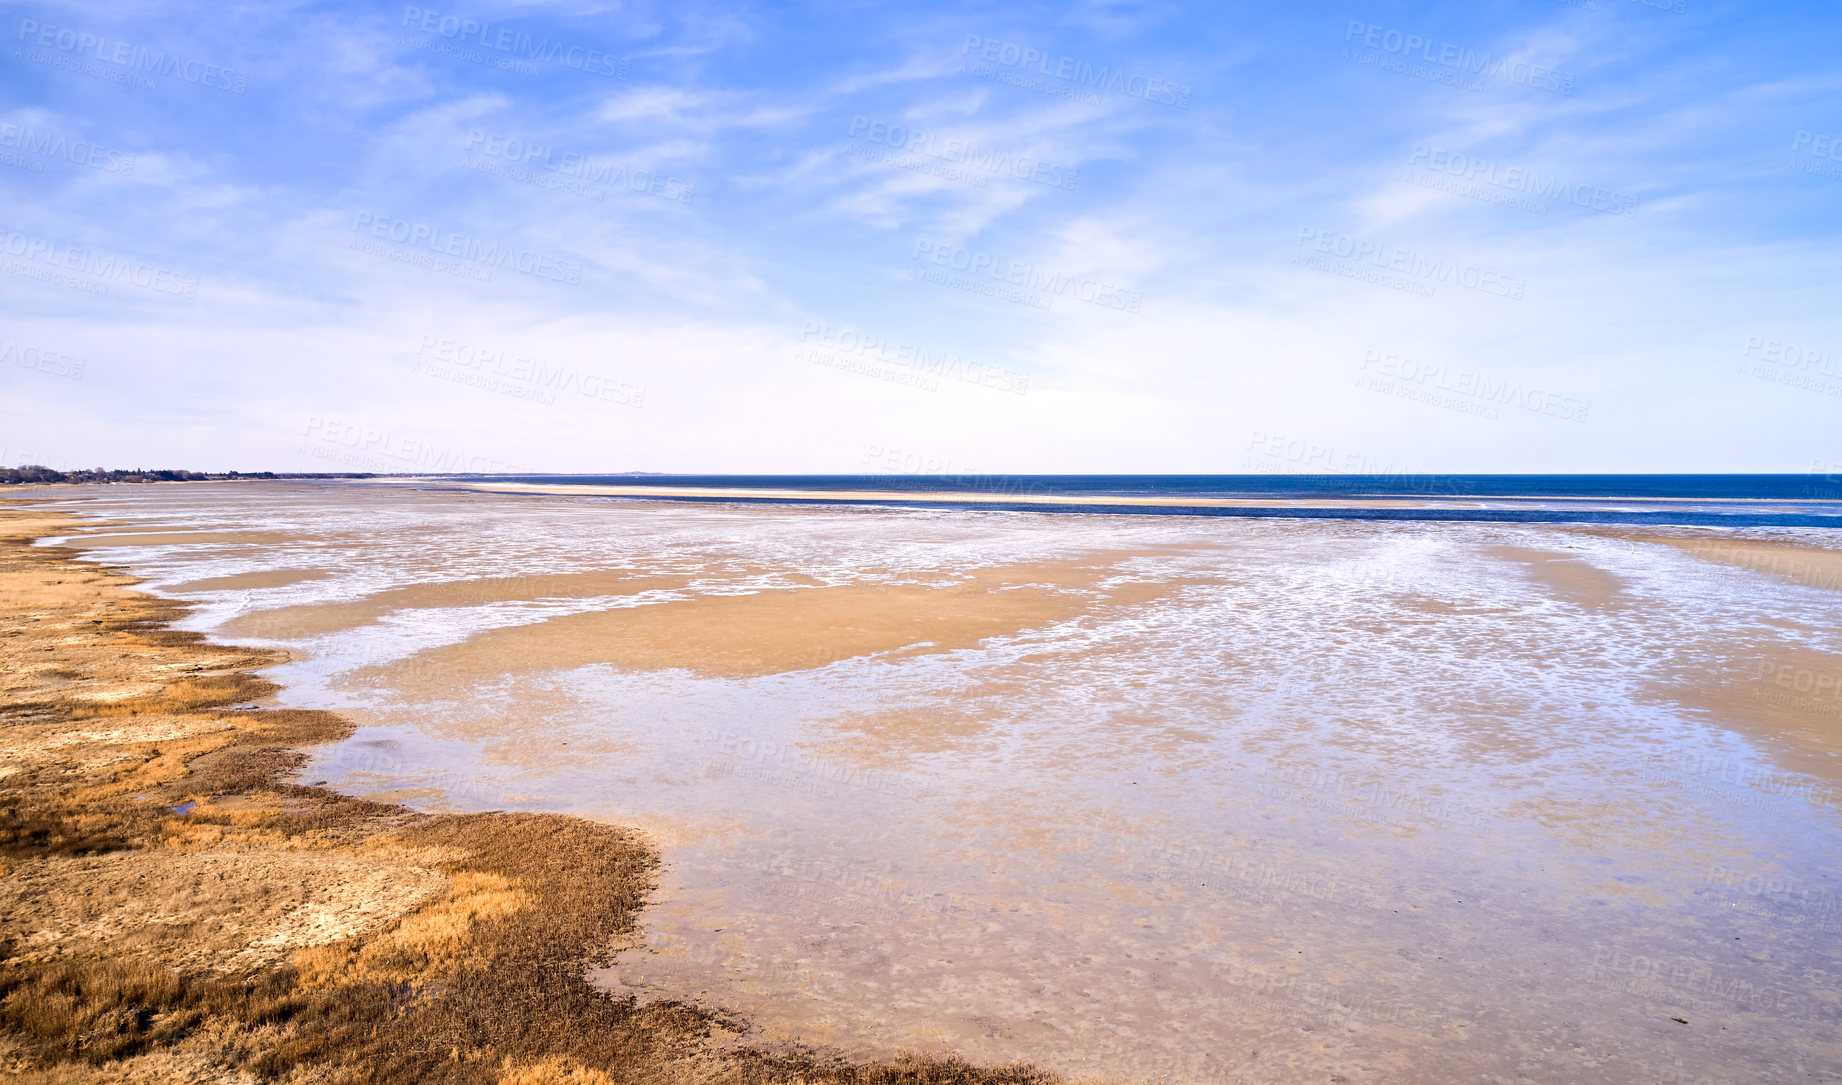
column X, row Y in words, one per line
column 33, row 472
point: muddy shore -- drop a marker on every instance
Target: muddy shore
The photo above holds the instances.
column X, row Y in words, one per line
column 173, row 908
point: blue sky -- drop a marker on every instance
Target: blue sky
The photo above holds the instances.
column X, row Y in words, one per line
column 1530, row 236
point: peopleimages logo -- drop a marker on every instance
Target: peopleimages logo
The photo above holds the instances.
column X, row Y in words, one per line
column 1458, row 58
column 1445, row 386
column 1792, row 355
column 414, row 235
column 131, row 57
column 1822, row 155
column 1792, row 365
column 467, row 363
column 933, row 363
column 100, row 268
column 1517, row 179
column 963, row 153
column 1818, row 146
column 1032, row 277
column 55, row 362
column 515, row 43
column 1076, row 72
column 364, row 441
column 79, row 152
column 1353, row 252
column 582, row 167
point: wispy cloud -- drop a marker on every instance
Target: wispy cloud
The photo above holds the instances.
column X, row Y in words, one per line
column 672, row 192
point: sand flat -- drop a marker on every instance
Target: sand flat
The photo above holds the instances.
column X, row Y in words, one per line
column 777, row 631
column 1786, row 560
column 278, row 578
column 1566, row 575
column 183, row 538
column 290, row 623
column 1785, row 695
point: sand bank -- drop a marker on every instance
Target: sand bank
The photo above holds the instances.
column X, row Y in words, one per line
column 184, row 538
column 279, row 578
column 307, row 621
column 776, row 631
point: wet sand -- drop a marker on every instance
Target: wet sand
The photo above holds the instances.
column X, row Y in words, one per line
column 172, row 908
column 243, row 581
column 185, row 538
column 787, row 629
column 1213, row 801
column 1781, row 559
column 307, row 621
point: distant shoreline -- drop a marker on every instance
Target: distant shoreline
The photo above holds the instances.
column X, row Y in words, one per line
column 34, row 474
column 1730, row 501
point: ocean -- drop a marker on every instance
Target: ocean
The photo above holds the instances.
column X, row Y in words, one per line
column 1784, row 500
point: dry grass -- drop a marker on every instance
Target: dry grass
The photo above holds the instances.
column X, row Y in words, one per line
column 482, row 983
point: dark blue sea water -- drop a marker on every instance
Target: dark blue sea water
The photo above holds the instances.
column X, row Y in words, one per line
column 1806, row 500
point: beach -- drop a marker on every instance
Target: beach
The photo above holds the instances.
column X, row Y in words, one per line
column 1123, row 797
column 173, row 907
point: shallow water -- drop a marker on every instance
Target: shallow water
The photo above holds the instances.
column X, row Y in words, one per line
column 1234, row 800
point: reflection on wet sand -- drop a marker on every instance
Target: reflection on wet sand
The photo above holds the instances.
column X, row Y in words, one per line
column 1133, row 799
